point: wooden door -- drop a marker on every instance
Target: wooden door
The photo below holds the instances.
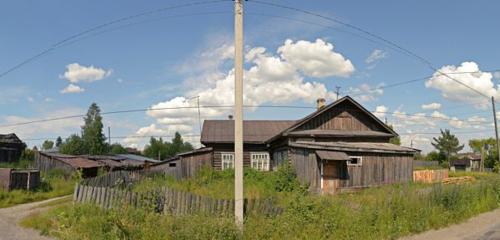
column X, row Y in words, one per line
column 331, row 177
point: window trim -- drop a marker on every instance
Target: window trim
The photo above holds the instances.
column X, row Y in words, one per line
column 359, row 164
column 267, row 163
column 222, row 160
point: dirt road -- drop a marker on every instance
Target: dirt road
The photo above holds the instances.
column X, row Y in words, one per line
column 10, row 217
column 484, row 227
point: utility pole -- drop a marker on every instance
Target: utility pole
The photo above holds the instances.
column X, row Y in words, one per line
column 496, row 128
column 238, row 113
column 109, row 136
column 199, row 112
column 337, row 91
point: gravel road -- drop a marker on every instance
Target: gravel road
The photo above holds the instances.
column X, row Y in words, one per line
column 485, row 226
column 10, row 217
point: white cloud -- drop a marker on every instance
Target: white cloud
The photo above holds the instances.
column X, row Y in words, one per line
column 268, row 79
column 376, row 55
column 366, row 93
column 496, row 75
column 72, row 88
column 431, row 106
column 437, row 114
column 77, row 73
column 456, row 123
column 316, row 59
column 451, row 90
column 380, row 111
column 30, row 99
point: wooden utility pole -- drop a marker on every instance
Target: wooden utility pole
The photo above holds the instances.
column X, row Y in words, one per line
column 238, row 112
column 337, row 91
column 496, row 128
column 109, row 136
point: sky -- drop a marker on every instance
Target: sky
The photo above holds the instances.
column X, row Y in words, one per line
column 166, row 57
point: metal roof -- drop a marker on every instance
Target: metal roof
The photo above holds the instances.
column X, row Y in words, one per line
column 137, row 158
column 356, row 147
column 254, row 131
column 332, row 155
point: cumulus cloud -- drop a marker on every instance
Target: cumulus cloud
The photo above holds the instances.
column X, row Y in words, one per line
column 316, row 59
column 380, row 111
column 376, row 55
column 366, row 93
column 469, row 74
column 431, row 106
column 269, row 78
column 72, row 88
column 76, row 73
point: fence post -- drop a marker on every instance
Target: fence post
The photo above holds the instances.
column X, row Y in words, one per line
column 75, row 193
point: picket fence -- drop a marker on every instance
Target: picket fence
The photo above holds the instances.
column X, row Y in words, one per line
column 168, row 201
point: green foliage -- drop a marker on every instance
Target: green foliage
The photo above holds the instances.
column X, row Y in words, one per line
column 73, row 145
column 157, row 148
column 47, row 144
column 53, row 184
column 117, row 148
column 92, row 134
column 286, row 179
column 435, row 156
column 447, row 144
column 59, row 141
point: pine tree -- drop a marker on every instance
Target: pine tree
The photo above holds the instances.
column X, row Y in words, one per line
column 92, row 134
column 58, row 141
column 447, row 144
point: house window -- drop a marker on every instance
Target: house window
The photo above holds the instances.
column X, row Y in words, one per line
column 355, row 161
column 227, row 160
column 172, row 164
column 260, row 161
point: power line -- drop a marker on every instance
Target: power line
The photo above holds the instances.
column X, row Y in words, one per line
column 101, row 26
column 389, row 42
column 217, row 106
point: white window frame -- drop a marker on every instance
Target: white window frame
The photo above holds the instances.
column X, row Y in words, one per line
column 359, row 164
column 260, row 161
column 227, row 160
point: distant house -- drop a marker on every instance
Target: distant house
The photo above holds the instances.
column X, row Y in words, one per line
column 11, row 148
column 466, row 162
column 340, row 146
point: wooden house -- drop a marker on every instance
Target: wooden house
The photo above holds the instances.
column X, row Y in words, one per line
column 340, row 146
column 466, row 162
column 11, row 148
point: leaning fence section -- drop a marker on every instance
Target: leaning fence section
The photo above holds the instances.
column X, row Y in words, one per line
column 168, row 201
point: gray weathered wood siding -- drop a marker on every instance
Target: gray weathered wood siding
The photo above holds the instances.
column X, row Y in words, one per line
column 344, row 117
column 376, row 169
column 190, row 164
column 306, row 166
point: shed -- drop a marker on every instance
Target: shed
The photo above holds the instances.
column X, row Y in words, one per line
column 11, row 178
column 11, row 147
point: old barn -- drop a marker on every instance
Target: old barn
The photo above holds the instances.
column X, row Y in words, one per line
column 11, row 148
column 340, row 146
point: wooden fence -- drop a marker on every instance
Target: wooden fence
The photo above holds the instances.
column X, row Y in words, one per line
column 430, row 176
column 168, row 201
column 122, row 178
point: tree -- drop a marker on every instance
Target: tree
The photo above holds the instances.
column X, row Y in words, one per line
column 117, row 148
column 74, row 145
column 447, row 144
column 156, row 149
column 92, row 134
column 58, row 141
column 477, row 144
column 435, row 156
column 178, row 146
column 47, row 144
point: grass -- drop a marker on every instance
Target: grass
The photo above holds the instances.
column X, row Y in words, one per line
column 387, row 212
column 53, row 184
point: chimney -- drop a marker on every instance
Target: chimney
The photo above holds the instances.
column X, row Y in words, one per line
column 320, row 103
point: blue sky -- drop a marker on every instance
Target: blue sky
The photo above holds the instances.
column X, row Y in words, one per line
column 157, row 59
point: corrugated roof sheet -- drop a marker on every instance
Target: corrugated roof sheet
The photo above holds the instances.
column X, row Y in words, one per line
column 254, row 131
column 80, row 162
column 137, row 158
column 332, row 155
column 355, row 146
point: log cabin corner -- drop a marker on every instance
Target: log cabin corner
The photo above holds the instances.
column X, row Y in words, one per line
column 339, row 147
